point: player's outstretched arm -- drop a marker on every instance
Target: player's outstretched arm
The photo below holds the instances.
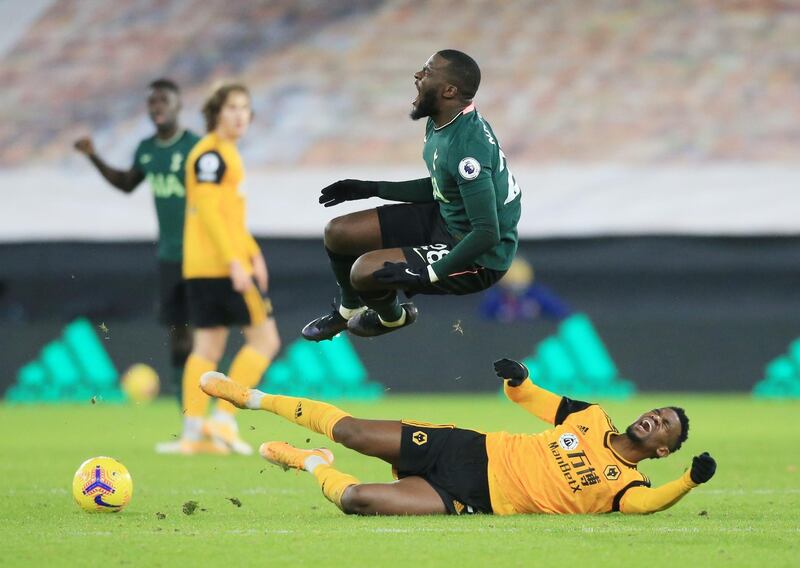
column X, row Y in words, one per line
column 641, row 500
column 412, row 191
column 520, row 389
column 123, row 180
column 347, row 190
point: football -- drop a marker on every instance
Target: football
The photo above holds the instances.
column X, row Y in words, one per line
column 102, row 485
column 140, row 383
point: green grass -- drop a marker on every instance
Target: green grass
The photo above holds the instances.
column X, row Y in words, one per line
column 750, row 508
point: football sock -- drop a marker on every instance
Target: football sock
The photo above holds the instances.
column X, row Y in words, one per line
column 348, row 313
column 333, row 482
column 247, row 369
column 195, row 401
column 341, row 265
column 386, row 303
column 320, row 417
column 398, row 323
column 193, row 428
column 225, row 417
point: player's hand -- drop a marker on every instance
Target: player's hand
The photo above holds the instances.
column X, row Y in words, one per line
column 512, row 371
column 348, row 190
column 703, row 468
column 240, row 279
column 260, row 272
column 85, row 146
column 401, row 274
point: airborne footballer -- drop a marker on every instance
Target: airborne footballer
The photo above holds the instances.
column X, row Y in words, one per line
column 159, row 159
column 456, row 233
column 226, row 276
column 582, row 465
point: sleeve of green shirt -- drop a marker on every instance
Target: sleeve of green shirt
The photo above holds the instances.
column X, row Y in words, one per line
column 412, row 191
column 480, row 204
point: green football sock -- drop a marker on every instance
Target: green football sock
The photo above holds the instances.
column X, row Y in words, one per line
column 341, row 265
column 385, row 302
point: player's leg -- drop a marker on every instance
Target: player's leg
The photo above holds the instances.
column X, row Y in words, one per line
column 385, row 313
column 180, row 347
column 173, row 314
column 209, row 345
column 262, row 342
column 409, row 496
column 208, row 303
column 402, row 226
column 346, row 238
column 375, row 438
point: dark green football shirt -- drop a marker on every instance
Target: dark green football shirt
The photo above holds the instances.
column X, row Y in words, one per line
column 161, row 162
column 473, row 185
column 478, row 197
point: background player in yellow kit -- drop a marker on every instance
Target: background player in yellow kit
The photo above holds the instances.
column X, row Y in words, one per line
column 225, row 276
column 582, row 465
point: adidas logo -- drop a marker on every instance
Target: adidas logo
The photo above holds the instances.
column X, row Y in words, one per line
column 583, row 429
column 574, row 362
column 298, row 412
column 328, row 369
column 74, row 367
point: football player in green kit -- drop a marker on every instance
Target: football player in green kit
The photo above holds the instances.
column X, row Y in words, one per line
column 160, row 160
column 455, row 233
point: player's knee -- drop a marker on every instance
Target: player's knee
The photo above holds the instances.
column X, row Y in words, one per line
column 348, row 433
column 357, row 501
column 361, row 274
column 336, row 234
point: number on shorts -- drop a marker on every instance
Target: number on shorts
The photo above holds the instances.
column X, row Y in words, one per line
column 432, row 253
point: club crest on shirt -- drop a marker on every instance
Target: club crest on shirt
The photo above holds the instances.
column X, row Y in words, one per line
column 568, row 441
column 469, row 168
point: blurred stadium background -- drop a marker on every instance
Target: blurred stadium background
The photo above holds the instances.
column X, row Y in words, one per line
column 656, row 143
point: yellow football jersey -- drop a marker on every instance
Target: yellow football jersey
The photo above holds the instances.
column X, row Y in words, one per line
column 215, row 232
column 571, row 468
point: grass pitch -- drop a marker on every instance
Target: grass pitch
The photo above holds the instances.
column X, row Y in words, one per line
column 746, row 516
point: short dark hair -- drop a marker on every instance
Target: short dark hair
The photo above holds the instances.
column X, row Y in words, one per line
column 684, row 428
column 214, row 103
column 462, row 72
column 167, row 84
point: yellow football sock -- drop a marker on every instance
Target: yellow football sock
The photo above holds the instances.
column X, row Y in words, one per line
column 247, row 369
column 195, row 401
column 318, row 416
column 333, row 483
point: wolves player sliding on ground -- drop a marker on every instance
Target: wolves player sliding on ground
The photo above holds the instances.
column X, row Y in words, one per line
column 582, row 465
column 160, row 159
column 457, row 233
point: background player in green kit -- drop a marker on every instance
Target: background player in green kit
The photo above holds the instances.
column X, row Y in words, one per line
column 457, row 231
column 160, row 160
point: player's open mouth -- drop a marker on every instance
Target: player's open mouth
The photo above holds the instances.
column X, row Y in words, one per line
column 646, row 425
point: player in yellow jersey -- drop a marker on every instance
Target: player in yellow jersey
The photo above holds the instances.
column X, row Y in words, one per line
column 582, row 465
column 225, row 274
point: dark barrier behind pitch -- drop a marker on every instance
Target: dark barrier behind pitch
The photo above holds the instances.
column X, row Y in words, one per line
column 675, row 313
